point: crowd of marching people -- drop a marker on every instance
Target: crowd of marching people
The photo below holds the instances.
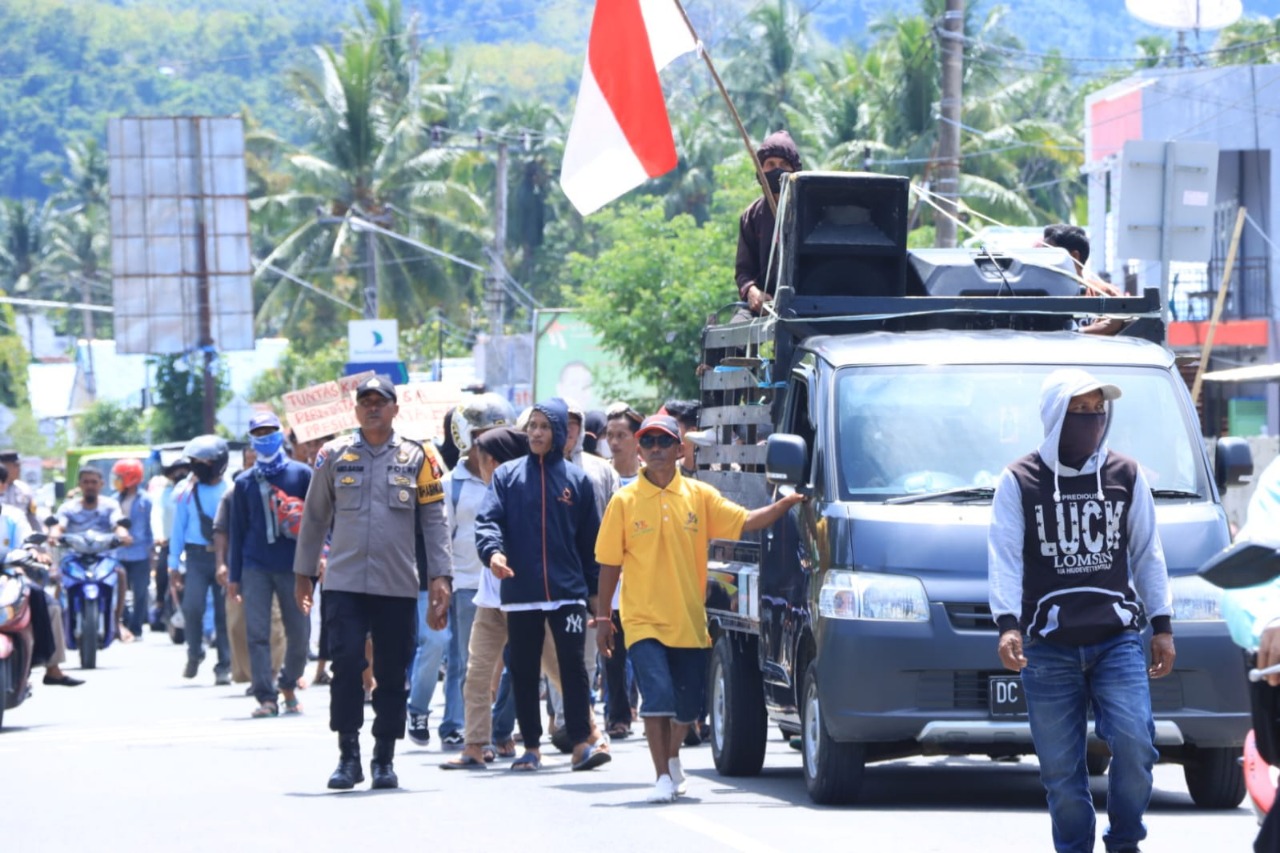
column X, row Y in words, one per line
column 488, row 564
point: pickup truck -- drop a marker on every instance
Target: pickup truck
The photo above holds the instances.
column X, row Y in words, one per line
column 893, row 387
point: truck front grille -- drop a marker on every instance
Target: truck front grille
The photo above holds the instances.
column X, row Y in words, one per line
column 970, row 617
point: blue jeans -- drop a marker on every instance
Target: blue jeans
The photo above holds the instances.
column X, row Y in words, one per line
column 198, row 585
column 425, row 671
column 462, row 613
column 504, row 709
column 139, row 574
column 1061, row 683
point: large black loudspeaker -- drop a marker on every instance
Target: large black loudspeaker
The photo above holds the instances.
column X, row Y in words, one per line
column 846, row 234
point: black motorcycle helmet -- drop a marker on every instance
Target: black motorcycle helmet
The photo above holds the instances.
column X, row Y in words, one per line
column 208, row 456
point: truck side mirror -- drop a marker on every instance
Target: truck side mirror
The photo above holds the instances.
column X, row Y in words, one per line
column 1232, row 462
column 786, row 458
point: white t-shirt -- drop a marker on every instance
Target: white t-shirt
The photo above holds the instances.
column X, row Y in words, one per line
column 464, row 494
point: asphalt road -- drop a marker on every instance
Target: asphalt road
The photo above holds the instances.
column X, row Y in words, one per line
column 139, row 759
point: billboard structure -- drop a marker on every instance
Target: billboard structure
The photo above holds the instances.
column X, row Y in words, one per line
column 180, row 250
column 570, row 362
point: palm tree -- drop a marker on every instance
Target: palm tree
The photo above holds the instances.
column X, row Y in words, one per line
column 80, row 233
column 370, row 161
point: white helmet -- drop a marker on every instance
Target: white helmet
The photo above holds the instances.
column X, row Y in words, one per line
column 484, row 411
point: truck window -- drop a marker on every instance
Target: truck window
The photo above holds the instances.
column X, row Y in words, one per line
column 798, row 422
column 912, row 429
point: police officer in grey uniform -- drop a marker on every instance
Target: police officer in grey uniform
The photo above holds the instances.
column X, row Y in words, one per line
column 382, row 495
column 18, row 493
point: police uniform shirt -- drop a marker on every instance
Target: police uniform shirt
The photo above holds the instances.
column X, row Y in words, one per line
column 22, row 497
column 377, row 499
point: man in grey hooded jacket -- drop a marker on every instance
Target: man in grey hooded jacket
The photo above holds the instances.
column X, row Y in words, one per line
column 1076, row 573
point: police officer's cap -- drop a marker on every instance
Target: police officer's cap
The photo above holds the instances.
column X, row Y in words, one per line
column 380, row 384
column 8, row 455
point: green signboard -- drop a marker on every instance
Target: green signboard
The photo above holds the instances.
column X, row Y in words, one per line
column 569, row 362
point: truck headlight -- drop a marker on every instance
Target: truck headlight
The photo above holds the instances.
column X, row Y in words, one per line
column 1195, row 599
column 867, row 595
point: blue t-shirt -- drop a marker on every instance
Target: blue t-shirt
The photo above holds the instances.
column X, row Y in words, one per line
column 186, row 517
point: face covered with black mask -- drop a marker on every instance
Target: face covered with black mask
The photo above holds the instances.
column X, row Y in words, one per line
column 205, row 473
column 1080, row 437
column 774, row 178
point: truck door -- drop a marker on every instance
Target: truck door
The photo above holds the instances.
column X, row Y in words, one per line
column 783, row 585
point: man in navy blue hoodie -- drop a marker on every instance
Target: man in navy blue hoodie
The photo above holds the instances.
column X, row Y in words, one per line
column 266, row 511
column 536, row 531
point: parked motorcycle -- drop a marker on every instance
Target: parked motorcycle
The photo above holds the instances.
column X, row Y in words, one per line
column 19, row 574
column 90, row 582
column 1243, row 565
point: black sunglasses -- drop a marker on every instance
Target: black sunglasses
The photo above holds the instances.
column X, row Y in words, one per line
column 650, row 441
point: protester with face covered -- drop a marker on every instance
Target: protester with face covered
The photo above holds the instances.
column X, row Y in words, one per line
column 1076, row 573
column 266, row 513
column 777, row 155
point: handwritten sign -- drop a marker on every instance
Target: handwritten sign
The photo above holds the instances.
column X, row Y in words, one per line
column 423, row 406
column 324, row 409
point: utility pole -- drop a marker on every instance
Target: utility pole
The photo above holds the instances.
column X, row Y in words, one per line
column 951, row 37
column 203, row 296
column 495, row 363
column 371, row 277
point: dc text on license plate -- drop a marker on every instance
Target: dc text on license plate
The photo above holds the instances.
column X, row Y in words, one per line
column 1004, row 692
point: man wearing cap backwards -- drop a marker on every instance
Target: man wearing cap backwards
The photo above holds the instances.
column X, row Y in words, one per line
column 263, row 530
column 777, row 155
column 657, row 530
column 381, row 494
column 1076, row 573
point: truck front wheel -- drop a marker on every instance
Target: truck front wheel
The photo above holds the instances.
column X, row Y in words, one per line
column 1214, row 777
column 832, row 770
column 736, row 701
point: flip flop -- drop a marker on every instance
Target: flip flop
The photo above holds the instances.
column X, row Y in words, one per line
column 527, row 763
column 464, row 762
column 507, row 749
column 489, row 755
column 592, row 757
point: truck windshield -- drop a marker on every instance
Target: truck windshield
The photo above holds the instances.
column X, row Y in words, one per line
column 905, row 430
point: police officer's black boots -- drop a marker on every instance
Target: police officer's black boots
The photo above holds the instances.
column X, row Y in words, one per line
column 384, row 775
column 348, row 774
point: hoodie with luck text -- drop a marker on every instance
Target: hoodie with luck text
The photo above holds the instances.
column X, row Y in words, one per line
column 1074, row 556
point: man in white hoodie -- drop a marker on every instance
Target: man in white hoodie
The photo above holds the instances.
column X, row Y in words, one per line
column 1076, row 573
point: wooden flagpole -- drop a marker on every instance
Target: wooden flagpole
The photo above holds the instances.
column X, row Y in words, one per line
column 1217, row 307
column 746, row 138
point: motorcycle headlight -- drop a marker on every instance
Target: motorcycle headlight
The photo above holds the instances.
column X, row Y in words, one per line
column 867, row 595
column 91, row 591
column 1195, row 599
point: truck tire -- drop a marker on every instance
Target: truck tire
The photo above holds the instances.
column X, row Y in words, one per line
column 1214, row 777
column 832, row 769
column 735, row 699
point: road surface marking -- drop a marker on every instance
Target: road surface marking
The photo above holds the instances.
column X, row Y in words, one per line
column 685, row 818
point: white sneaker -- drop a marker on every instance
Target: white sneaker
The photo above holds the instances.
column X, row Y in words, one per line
column 678, row 779
column 664, row 791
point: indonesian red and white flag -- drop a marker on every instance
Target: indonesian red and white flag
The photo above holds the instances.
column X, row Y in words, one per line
column 621, row 136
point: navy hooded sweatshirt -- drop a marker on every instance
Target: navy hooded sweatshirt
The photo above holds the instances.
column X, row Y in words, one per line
column 541, row 513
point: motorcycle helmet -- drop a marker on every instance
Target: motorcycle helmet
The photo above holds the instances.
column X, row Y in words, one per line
column 129, row 472
column 208, row 455
column 484, row 411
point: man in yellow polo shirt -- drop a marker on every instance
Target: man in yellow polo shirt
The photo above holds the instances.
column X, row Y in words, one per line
column 657, row 529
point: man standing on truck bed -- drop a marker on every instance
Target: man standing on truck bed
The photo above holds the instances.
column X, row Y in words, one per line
column 1073, row 532
column 777, row 155
column 657, row 529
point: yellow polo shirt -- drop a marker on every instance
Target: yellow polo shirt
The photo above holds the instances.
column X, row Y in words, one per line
column 659, row 537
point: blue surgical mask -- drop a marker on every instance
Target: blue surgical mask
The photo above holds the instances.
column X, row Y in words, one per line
column 268, row 445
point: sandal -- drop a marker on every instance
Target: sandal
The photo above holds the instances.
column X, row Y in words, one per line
column 619, row 731
column 322, row 678
column 292, row 706
column 592, row 757
column 507, row 749
column 265, row 709
column 527, row 763
column 489, row 755
column 464, row 762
